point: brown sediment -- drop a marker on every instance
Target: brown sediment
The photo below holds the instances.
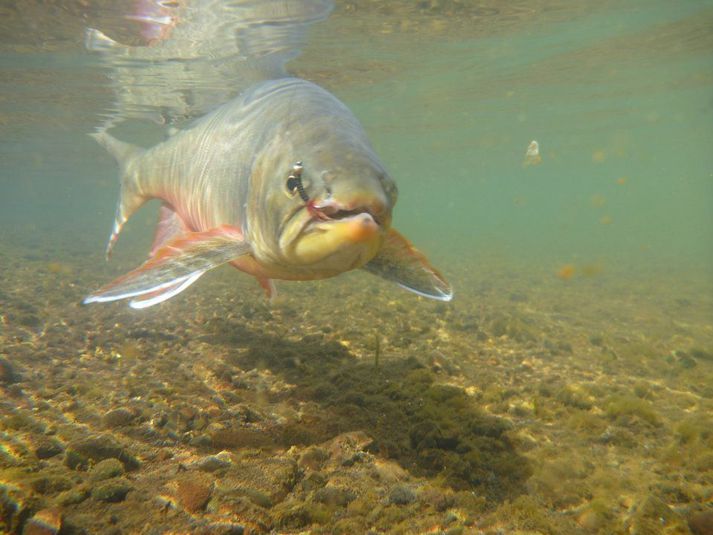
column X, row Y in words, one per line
column 524, row 404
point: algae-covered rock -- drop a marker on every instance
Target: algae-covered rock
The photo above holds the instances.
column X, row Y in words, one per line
column 652, row 516
column 46, row 447
column 112, row 491
column 334, row 496
column 96, row 448
column 72, row 496
column 263, row 480
column 701, row 522
column 107, row 469
column 117, row 418
column 624, row 409
column 8, row 375
column 402, row 495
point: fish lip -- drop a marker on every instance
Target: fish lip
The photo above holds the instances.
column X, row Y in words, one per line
column 330, row 211
column 316, row 223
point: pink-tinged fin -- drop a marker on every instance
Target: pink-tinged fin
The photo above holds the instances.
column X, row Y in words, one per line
column 268, row 286
column 170, row 225
column 400, row 262
column 174, row 267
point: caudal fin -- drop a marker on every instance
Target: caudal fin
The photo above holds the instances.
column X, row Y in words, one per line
column 129, row 197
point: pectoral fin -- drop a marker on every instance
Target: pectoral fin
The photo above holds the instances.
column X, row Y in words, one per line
column 174, row 267
column 400, row 262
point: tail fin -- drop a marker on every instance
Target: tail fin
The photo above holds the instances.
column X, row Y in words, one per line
column 130, row 198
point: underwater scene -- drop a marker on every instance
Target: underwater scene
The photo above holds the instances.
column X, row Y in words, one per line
column 474, row 252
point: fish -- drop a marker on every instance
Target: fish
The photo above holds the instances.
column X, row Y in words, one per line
column 281, row 182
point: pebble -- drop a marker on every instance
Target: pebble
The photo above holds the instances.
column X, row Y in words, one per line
column 651, row 512
column 211, row 463
column 107, row 469
column 330, row 495
column 223, row 528
column 72, row 496
column 44, row 522
column 117, row 418
column 401, row 495
column 701, row 523
column 193, row 495
column 47, row 447
column 97, row 448
column 7, row 372
column 112, row 491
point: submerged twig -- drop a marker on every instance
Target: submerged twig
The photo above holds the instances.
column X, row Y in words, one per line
column 377, row 351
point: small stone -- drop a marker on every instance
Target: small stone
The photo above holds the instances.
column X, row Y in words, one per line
column 401, row 495
column 47, row 447
column 193, row 495
column 225, row 528
column 313, row 458
column 649, row 515
column 7, row 372
column 339, row 496
column 591, row 520
column 44, row 522
column 256, row 497
column 211, row 463
column 97, row 448
column 112, row 491
column 117, row 418
column 701, row 523
column 72, row 496
column 107, row 469
column 313, row 481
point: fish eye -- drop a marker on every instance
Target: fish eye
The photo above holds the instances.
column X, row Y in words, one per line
column 294, row 182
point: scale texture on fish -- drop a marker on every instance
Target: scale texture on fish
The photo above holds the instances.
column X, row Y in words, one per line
column 281, row 182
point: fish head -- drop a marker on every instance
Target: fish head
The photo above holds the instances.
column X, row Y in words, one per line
column 334, row 221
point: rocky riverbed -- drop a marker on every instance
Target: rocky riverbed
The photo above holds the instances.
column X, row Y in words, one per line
column 530, row 404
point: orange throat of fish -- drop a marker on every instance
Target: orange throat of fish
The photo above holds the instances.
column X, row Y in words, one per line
column 336, row 239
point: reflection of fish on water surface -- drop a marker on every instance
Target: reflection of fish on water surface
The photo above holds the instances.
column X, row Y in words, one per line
column 280, row 181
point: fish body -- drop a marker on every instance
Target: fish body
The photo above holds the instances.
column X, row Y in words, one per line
column 226, row 194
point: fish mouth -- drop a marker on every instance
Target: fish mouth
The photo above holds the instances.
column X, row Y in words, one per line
column 329, row 211
column 332, row 237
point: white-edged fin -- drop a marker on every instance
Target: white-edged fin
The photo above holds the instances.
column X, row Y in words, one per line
column 174, row 267
column 400, row 262
column 160, row 296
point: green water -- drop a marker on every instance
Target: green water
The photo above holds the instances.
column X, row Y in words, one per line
column 617, row 93
column 612, row 92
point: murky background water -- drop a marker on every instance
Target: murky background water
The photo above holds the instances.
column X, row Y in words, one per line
column 584, row 281
column 618, row 97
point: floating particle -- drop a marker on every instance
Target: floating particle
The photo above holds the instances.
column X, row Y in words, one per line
column 532, row 154
column 598, row 200
column 598, row 156
column 606, row 220
column 519, row 201
column 621, row 180
column 591, row 270
column 566, row 272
